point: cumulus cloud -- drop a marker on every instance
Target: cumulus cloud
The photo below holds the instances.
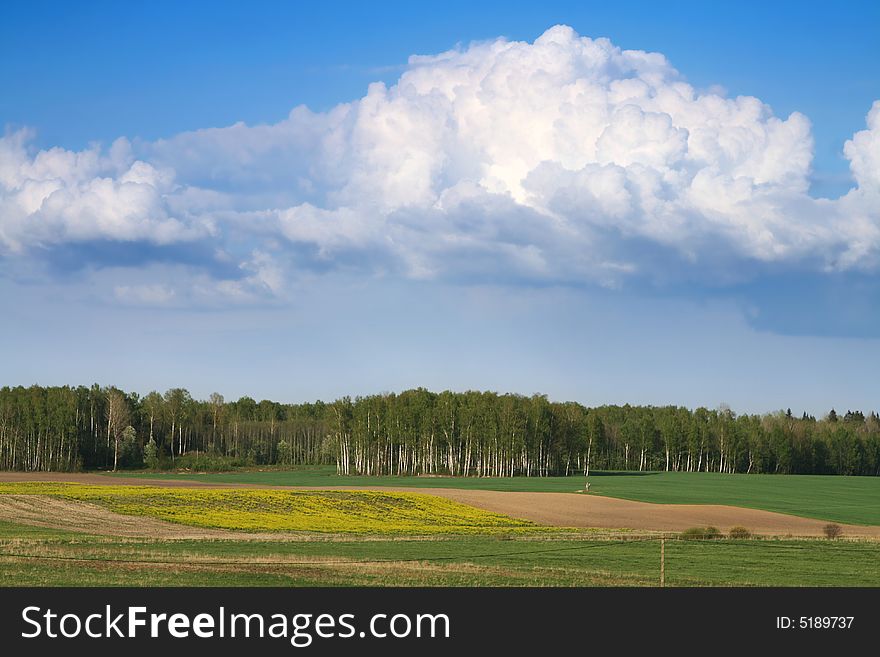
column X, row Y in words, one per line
column 863, row 152
column 59, row 196
column 563, row 160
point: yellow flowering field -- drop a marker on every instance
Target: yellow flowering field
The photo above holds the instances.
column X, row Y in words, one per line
column 337, row 511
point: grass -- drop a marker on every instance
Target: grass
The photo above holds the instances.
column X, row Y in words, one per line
column 9, row 530
column 854, row 500
column 352, row 512
column 35, row 559
column 436, row 542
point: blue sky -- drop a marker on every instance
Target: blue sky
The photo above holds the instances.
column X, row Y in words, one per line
column 150, row 70
column 524, row 212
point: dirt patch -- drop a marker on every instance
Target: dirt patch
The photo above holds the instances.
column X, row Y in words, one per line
column 574, row 510
column 82, row 517
column 44, row 511
column 556, row 509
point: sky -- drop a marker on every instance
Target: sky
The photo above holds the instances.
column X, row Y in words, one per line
column 631, row 202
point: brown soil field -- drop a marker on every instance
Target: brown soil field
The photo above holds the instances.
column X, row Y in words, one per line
column 44, row 511
column 556, row 509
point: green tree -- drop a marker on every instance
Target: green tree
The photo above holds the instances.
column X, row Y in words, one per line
column 151, row 455
column 131, row 454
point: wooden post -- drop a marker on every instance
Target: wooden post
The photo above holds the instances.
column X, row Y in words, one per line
column 662, row 562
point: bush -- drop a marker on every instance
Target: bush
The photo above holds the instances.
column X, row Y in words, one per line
column 701, row 533
column 832, row 531
column 208, row 463
column 739, row 532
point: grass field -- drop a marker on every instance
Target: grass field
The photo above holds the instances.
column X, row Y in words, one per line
column 36, row 557
column 385, row 538
column 854, row 500
column 350, row 512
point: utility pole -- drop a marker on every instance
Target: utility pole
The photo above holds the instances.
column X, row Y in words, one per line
column 662, row 562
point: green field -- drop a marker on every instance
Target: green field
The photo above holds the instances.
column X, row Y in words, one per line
column 36, row 557
column 854, row 500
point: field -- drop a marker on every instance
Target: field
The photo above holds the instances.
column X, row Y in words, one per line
column 853, row 500
column 91, row 529
column 42, row 557
column 351, row 512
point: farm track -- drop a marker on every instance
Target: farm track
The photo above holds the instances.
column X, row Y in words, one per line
column 555, row 509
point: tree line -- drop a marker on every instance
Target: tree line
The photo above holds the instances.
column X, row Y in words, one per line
column 418, row 432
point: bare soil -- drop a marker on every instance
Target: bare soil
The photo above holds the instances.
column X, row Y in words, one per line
column 51, row 512
column 579, row 510
column 555, row 509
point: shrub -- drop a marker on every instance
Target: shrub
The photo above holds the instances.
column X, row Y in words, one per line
column 208, row 463
column 701, row 533
column 832, row 531
column 739, row 532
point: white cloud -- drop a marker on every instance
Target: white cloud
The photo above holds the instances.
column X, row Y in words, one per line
column 58, row 196
column 260, row 278
column 863, row 152
column 558, row 160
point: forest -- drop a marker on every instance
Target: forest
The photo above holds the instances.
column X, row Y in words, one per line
column 418, row 432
